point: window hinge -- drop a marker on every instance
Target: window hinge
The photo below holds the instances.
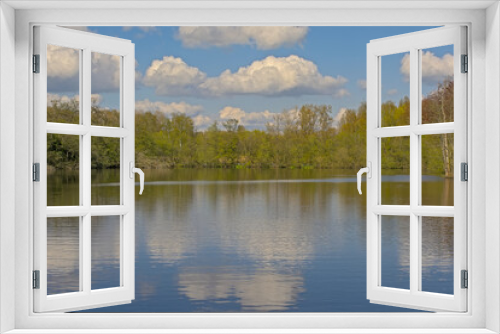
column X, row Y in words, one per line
column 464, row 168
column 465, row 63
column 36, row 172
column 36, row 279
column 465, row 279
column 36, row 63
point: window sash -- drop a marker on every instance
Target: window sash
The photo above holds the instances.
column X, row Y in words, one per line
column 87, row 297
column 414, row 43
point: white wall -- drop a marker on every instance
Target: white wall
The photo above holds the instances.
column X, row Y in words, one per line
column 492, row 147
column 7, row 158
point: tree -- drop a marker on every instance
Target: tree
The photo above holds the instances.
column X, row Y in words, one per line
column 231, row 125
column 438, row 107
column 298, row 138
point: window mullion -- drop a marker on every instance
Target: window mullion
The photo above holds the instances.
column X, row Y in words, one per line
column 81, row 230
column 419, row 125
column 85, row 169
column 82, row 183
column 86, row 121
column 86, row 253
column 414, row 171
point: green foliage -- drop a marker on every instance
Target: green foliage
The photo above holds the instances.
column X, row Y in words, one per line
column 303, row 138
column 63, row 151
column 105, row 152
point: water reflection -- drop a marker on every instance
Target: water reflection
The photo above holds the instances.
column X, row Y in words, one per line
column 437, row 254
column 63, row 252
column 258, row 240
column 105, row 252
column 395, row 234
column 260, row 291
column 438, row 191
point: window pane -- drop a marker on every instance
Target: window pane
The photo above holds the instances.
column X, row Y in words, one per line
column 105, row 252
column 63, row 84
column 437, row 84
column 106, row 158
column 437, row 169
column 63, row 255
column 63, row 164
column 395, row 171
column 437, row 254
column 395, row 251
column 395, row 89
column 106, row 73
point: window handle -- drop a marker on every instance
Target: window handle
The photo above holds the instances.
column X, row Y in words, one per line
column 138, row 171
column 368, row 171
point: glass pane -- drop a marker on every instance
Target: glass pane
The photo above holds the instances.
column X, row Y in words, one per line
column 63, row 84
column 437, row 254
column 63, row 164
column 395, row 241
column 395, row 89
column 106, row 159
column 105, row 252
column 437, row 84
column 105, row 82
column 437, row 169
column 395, row 170
column 63, row 255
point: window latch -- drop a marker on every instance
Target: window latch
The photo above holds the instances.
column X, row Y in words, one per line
column 368, row 171
column 133, row 170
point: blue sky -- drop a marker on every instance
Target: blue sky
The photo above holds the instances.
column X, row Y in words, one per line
column 250, row 73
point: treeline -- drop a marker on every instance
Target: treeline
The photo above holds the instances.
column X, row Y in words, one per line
column 305, row 138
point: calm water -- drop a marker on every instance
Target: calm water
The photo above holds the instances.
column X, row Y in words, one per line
column 249, row 241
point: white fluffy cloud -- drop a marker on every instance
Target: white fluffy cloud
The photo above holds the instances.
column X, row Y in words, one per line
column 168, row 108
column 393, row 91
column 62, row 63
column 341, row 93
column 264, row 38
column 232, row 112
column 172, row 76
column 252, row 119
column 339, row 116
column 63, row 69
column 291, row 75
column 105, row 72
column 434, row 68
column 53, row 98
column 201, row 122
column 362, row 83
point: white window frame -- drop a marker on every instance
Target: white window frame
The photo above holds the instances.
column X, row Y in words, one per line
column 484, row 49
column 86, row 43
column 414, row 43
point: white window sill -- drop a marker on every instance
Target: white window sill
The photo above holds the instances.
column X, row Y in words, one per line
column 251, row 331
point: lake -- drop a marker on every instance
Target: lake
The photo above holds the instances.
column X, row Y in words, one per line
column 214, row 240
